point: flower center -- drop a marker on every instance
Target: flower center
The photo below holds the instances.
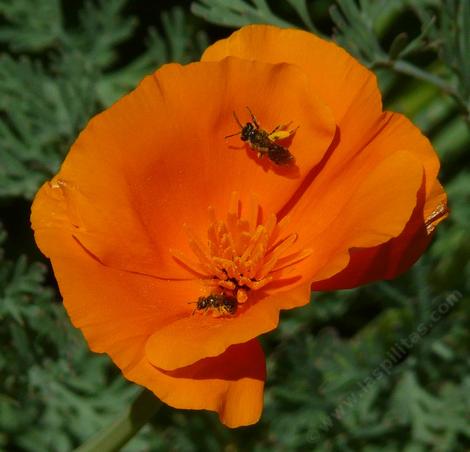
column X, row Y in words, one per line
column 242, row 253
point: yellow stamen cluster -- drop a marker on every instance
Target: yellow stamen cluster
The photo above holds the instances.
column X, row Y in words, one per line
column 241, row 254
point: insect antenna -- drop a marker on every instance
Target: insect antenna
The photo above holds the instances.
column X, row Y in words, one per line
column 253, row 117
column 239, row 123
column 232, row 135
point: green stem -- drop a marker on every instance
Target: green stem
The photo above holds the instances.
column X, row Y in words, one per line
column 119, row 432
column 447, row 88
column 409, row 69
column 403, row 67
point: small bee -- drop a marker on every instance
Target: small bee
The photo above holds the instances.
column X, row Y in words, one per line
column 223, row 304
column 265, row 142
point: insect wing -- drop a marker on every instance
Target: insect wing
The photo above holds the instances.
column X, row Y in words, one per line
column 280, row 155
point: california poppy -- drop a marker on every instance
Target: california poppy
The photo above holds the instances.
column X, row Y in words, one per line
column 154, row 211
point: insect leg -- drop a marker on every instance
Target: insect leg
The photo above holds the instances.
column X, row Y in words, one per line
column 193, row 302
column 277, row 134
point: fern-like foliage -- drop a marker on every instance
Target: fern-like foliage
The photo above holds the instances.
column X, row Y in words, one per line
column 338, row 380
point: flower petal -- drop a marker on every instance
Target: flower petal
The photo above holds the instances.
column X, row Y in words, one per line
column 358, row 108
column 158, row 158
column 114, row 307
column 358, row 112
column 347, row 87
column 388, row 260
column 110, row 306
column 231, row 384
column 365, row 205
column 117, row 311
column 192, row 338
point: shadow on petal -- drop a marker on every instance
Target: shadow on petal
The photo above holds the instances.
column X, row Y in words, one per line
column 232, row 365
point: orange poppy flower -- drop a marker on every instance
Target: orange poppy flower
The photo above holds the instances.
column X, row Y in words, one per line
column 154, row 211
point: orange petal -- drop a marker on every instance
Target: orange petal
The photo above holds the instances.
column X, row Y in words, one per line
column 394, row 257
column 387, row 260
column 192, row 338
column 117, row 312
column 114, row 308
column 111, row 306
column 230, row 384
column 347, row 87
column 158, row 158
column 366, row 205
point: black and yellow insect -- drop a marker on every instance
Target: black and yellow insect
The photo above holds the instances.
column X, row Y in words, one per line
column 264, row 142
column 220, row 303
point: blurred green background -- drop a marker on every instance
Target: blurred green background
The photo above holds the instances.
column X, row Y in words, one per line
column 380, row 368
